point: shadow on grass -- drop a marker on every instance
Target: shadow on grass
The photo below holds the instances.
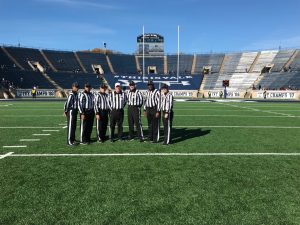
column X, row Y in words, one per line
column 183, row 134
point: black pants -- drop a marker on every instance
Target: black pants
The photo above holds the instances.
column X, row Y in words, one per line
column 87, row 126
column 102, row 125
column 153, row 124
column 134, row 119
column 116, row 117
column 72, row 121
column 167, row 127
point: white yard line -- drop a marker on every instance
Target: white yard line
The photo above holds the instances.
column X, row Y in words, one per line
column 41, row 134
column 6, row 155
column 30, row 127
column 15, row 146
column 65, row 127
column 155, row 154
column 29, row 139
column 50, row 130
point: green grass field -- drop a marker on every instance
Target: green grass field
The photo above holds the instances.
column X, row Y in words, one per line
column 154, row 189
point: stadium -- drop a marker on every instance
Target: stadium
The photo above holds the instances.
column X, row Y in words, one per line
column 234, row 154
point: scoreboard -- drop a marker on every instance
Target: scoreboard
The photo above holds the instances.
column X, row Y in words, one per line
column 154, row 44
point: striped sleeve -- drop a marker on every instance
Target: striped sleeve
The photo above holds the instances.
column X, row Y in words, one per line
column 96, row 109
column 170, row 103
column 158, row 100
column 141, row 99
column 67, row 103
column 81, row 103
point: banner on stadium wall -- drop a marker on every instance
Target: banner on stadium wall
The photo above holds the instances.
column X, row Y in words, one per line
column 230, row 94
column 278, row 94
column 187, row 82
column 26, row 93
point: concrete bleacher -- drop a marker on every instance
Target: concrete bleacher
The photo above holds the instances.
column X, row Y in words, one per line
column 124, row 64
column 65, row 80
column 265, row 58
column 158, row 62
column 237, row 81
column 23, row 55
column 281, row 59
column 185, row 64
column 213, row 60
column 63, row 61
column 5, row 62
column 25, row 79
column 295, row 65
column 231, row 62
column 89, row 58
column 246, row 60
column 279, row 80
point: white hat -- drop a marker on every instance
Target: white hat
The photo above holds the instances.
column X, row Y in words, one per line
column 117, row 84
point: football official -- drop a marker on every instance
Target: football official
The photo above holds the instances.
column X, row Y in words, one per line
column 101, row 111
column 152, row 111
column 135, row 102
column 87, row 114
column 71, row 111
column 166, row 106
column 117, row 102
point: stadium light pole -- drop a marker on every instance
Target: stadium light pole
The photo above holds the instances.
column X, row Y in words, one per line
column 178, row 51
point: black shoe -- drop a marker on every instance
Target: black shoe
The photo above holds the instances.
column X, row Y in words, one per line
column 142, row 140
column 165, row 144
column 100, row 141
column 112, row 140
column 72, row 144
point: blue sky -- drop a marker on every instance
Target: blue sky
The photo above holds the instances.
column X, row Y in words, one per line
column 206, row 25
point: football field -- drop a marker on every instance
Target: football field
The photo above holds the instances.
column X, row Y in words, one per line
column 229, row 163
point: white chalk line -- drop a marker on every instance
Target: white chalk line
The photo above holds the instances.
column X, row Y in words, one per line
column 14, row 146
column 153, row 154
column 41, row 134
column 29, row 140
column 50, row 130
column 5, row 155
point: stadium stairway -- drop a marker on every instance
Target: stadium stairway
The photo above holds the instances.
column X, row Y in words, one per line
column 80, row 63
column 290, row 61
column 194, row 64
column 110, row 65
column 48, row 61
column 165, row 65
column 254, row 62
column 12, row 59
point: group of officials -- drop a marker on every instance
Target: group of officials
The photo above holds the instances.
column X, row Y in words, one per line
column 109, row 107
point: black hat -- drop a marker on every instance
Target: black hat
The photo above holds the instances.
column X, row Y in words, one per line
column 131, row 83
column 75, row 85
column 150, row 82
column 88, row 85
column 164, row 86
column 103, row 86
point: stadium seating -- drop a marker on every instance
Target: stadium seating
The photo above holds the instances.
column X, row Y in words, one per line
column 88, row 59
column 280, row 80
column 295, row 66
column 213, row 60
column 158, row 62
column 245, row 62
column 65, row 80
column 5, row 62
column 123, row 64
column 281, row 59
column 63, row 61
column 231, row 62
column 265, row 58
column 26, row 79
column 185, row 64
column 23, row 55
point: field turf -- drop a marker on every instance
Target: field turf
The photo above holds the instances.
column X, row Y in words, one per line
column 154, row 189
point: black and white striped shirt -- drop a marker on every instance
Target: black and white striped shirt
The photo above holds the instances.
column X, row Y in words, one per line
column 72, row 102
column 86, row 102
column 117, row 100
column 152, row 99
column 101, row 102
column 135, row 98
column 166, row 102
